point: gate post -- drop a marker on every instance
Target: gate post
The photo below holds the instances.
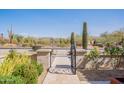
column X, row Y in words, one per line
column 73, row 58
column 50, row 61
column 50, row 58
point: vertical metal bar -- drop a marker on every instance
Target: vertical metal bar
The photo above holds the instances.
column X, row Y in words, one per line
column 50, row 58
column 75, row 59
column 71, row 58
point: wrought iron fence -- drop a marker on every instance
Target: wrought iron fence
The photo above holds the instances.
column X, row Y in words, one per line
column 73, row 58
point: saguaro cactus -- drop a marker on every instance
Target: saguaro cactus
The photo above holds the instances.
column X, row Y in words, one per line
column 1, row 36
column 84, row 36
column 72, row 38
column 10, row 35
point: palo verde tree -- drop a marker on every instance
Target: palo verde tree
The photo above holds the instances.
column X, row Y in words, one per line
column 84, row 36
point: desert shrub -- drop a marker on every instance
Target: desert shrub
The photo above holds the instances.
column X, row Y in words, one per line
column 113, row 49
column 27, row 72
column 3, row 42
column 115, row 36
column 11, row 80
column 18, row 68
column 11, row 61
column 38, row 66
column 122, row 51
column 93, row 54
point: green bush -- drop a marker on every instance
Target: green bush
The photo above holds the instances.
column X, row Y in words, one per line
column 39, row 69
column 27, row 72
column 11, row 61
column 122, row 53
column 93, row 57
column 11, row 80
column 93, row 54
column 18, row 68
column 113, row 50
column 38, row 66
column 115, row 36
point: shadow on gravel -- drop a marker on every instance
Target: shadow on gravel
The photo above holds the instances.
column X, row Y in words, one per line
column 99, row 75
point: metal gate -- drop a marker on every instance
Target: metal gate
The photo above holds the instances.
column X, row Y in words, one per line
column 71, row 55
column 73, row 58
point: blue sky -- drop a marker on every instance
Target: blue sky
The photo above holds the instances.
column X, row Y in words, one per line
column 60, row 23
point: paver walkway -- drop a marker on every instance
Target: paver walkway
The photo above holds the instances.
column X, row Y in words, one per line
column 61, row 72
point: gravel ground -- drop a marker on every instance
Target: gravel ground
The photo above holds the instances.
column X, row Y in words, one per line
column 98, row 75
